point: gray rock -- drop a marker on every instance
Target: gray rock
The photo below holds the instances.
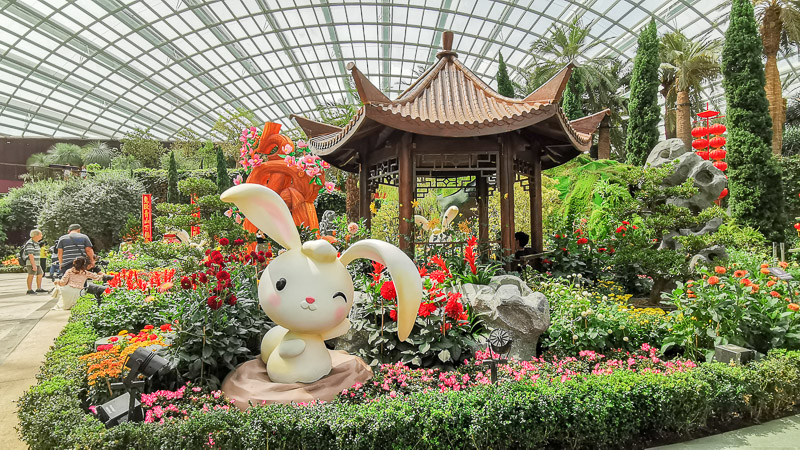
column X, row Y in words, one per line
column 670, row 242
column 666, row 151
column 509, row 304
column 708, row 255
column 326, row 224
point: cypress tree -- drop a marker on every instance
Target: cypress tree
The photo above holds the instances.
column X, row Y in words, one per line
column 504, row 85
column 754, row 177
column 572, row 103
column 223, row 181
column 172, row 179
column 643, row 106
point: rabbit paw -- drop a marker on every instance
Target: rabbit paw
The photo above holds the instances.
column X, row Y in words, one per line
column 291, row 347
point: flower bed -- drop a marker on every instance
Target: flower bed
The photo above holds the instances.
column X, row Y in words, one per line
column 621, row 409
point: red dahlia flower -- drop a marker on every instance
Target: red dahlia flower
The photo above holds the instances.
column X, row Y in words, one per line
column 214, row 302
column 224, row 241
column 582, row 241
column 387, row 291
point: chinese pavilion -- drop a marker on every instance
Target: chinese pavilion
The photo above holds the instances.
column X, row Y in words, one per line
column 450, row 125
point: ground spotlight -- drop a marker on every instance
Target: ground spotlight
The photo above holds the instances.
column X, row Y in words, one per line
column 126, row 408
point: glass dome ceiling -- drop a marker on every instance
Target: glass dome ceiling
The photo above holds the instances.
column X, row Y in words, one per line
column 98, row 69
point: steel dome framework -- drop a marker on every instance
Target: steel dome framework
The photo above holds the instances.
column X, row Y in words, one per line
column 98, row 69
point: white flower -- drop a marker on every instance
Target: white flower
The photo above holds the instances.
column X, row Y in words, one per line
column 585, row 293
column 600, row 316
column 574, row 337
column 580, row 276
column 610, row 332
column 605, row 297
column 625, row 339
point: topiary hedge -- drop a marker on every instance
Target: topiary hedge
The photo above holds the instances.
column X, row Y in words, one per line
column 156, row 181
column 621, row 410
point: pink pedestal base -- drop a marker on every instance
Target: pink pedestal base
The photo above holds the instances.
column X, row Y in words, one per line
column 249, row 382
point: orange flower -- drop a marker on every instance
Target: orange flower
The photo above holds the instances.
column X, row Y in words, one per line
column 746, row 282
column 739, row 273
column 754, row 288
column 764, row 271
column 720, row 270
column 794, row 306
column 712, row 280
column 165, row 287
column 764, row 266
column 775, row 294
column 783, row 264
column 692, row 296
column 770, row 283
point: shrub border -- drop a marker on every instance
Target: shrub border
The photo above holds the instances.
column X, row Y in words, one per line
column 621, row 410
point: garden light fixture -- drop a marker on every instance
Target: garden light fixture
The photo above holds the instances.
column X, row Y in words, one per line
column 145, row 362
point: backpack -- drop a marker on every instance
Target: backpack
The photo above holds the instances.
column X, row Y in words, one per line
column 21, row 256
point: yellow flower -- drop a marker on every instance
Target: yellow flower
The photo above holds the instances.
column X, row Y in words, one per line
column 415, row 204
column 122, row 333
column 372, row 208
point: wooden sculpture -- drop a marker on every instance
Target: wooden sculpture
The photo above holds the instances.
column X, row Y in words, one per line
column 290, row 183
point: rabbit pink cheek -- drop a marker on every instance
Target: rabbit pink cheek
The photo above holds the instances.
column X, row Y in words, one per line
column 341, row 313
column 274, row 299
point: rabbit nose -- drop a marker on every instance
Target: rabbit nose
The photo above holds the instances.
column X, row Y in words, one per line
column 310, row 300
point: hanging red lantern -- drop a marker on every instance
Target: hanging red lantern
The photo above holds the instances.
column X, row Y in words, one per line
column 721, row 165
column 703, row 154
column 717, row 128
column 723, row 194
column 699, row 131
column 717, row 142
column 718, row 154
column 700, row 143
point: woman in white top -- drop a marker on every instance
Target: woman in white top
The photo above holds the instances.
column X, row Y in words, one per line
column 72, row 283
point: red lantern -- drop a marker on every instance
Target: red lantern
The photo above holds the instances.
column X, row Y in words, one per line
column 699, row 131
column 721, row 165
column 700, row 144
column 718, row 154
column 723, row 194
column 717, row 128
column 703, row 154
column 717, row 142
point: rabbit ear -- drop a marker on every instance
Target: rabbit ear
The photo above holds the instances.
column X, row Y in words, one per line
column 448, row 216
column 405, row 275
column 183, row 236
column 421, row 221
column 266, row 210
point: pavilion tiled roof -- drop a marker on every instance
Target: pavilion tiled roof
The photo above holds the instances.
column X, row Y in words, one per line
column 450, row 100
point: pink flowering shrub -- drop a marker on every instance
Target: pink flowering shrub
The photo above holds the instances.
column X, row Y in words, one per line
column 162, row 406
column 395, row 380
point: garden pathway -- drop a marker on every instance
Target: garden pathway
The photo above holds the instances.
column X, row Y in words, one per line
column 27, row 330
column 780, row 434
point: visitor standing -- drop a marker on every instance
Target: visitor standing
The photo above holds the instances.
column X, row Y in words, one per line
column 84, row 172
column 73, row 282
column 72, row 245
column 31, row 251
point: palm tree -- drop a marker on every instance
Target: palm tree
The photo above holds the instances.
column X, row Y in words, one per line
column 603, row 77
column 65, row 154
column 38, row 164
column 98, row 153
column 780, row 29
column 685, row 66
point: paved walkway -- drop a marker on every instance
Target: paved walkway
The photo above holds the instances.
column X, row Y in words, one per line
column 27, row 330
column 781, row 434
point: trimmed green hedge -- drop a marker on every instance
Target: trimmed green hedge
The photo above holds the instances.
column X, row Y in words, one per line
column 621, row 410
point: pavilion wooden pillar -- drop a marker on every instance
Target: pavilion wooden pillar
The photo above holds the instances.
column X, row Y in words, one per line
column 482, row 191
column 406, row 187
column 506, row 179
column 537, row 238
column 604, row 139
column 363, row 189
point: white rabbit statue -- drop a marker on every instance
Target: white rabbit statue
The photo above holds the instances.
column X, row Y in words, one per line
column 308, row 292
column 186, row 239
column 438, row 232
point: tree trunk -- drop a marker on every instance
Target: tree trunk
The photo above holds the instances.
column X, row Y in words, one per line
column 352, row 194
column 683, row 126
column 770, row 37
column 665, row 89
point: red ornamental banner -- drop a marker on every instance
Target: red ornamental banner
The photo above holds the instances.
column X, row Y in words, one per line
column 147, row 217
column 195, row 230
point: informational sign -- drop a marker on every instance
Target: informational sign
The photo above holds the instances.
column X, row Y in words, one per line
column 780, row 274
column 195, row 230
column 147, row 217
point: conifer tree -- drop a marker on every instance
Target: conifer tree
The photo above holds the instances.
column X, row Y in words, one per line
column 504, row 85
column 172, row 179
column 754, row 177
column 572, row 102
column 223, row 181
column 643, row 108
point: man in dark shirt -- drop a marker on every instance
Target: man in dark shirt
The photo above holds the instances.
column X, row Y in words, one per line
column 72, row 245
